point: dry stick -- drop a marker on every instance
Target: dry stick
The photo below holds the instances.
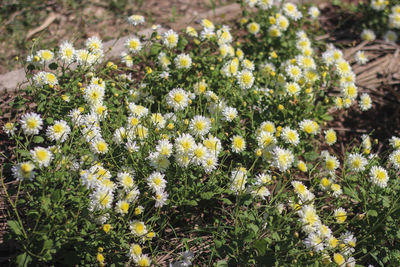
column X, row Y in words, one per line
column 49, row 20
column 367, row 70
column 352, row 51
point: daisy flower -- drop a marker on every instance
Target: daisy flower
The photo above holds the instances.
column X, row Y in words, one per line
column 340, row 214
column 98, row 145
column 59, row 131
column 31, row 123
column 379, row 176
column 184, row 143
column 290, row 136
column 229, row 113
column 138, row 228
column 238, row 144
column 365, row 102
column 200, row 125
column 313, row 12
column 183, row 61
column 245, row 79
column 143, row 260
column 156, row 182
column 42, row 156
column 191, row 31
column 356, row 162
column 395, row 142
column 164, row 147
column 23, row 170
column 66, row 52
column 282, row 23
column 125, row 179
column 9, row 128
column 378, row 5
column 309, row 126
column 133, row 44
column 213, row 144
column 199, row 154
column 170, row 39
column 309, row 217
column 390, row 37
column 265, row 140
column 268, row 126
column 294, row 72
column 94, row 44
column 395, row 159
column 207, row 24
column 161, row 198
column 292, row 88
column 331, row 163
column 178, row 99
column 360, row 57
column 291, row 11
column 265, row 4
column 368, row 35
column 253, row 28
column 163, row 60
column 210, row 163
column 136, row 20
column 45, row 55
column 122, row 207
column 282, row 158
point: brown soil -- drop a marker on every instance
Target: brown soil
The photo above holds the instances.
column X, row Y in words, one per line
column 99, row 18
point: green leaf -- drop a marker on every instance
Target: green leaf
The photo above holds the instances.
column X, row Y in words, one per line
column 372, row 213
column 53, row 66
column 253, row 227
column 221, row 264
column 47, row 244
column 310, row 156
column 23, row 260
column 261, row 246
column 38, row 139
column 207, row 195
column 15, row 227
column 49, row 120
column 155, row 49
column 226, row 201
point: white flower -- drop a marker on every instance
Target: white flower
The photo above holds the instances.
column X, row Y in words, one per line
column 156, row 182
column 245, row 79
column 282, row 158
column 183, row 61
column 94, row 44
column 360, row 57
column 59, row 131
column 368, row 35
column 365, row 102
column 170, row 39
column 31, row 123
column 200, row 125
column 356, row 162
column 133, row 44
column 229, row 113
column 290, row 136
column 395, row 159
column 42, row 156
column 238, row 144
column 313, row 12
column 178, row 99
column 23, row 170
column 66, row 52
column 136, row 20
column 379, row 176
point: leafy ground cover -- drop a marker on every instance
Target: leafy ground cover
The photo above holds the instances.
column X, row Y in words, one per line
column 211, row 147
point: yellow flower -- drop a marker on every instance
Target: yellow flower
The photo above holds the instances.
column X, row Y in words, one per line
column 106, row 227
